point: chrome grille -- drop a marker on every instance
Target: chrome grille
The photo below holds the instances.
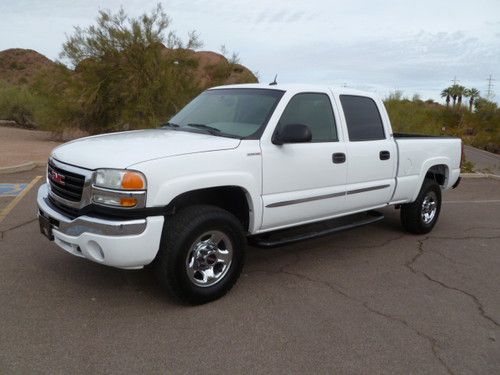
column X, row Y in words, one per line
column 65, row 184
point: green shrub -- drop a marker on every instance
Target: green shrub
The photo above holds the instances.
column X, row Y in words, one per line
column 467, row 167
column 19, row 104
column 128, row 73
column 125, row 77
column 479, row 128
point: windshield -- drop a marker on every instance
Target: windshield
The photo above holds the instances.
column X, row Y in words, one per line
column 240, row 113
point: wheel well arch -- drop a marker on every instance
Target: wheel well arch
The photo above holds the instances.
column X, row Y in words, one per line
column 233, row 199
column 438, row 173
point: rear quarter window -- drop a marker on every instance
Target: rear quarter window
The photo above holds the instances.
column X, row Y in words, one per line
column 362, row 117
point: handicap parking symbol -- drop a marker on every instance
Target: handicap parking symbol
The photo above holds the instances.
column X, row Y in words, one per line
column 11, row 190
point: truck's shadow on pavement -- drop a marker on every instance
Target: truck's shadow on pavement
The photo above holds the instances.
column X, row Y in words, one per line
column 105, row 283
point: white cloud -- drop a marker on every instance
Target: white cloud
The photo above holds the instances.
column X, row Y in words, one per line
column 416, row 46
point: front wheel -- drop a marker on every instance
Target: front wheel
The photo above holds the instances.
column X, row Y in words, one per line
column 202, row 254
column 419, row 217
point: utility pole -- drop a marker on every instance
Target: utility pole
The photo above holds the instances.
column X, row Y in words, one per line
column 489, row 91
column 455, row 80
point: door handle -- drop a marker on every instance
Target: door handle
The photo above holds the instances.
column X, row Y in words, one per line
column 384, row 155
column 338, row 157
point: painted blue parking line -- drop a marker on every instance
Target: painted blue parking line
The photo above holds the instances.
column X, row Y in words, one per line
column 11, row 190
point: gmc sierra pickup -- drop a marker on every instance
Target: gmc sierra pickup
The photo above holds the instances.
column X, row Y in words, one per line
column 238, row 163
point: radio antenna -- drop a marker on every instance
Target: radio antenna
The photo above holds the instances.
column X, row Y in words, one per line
column 273, row 83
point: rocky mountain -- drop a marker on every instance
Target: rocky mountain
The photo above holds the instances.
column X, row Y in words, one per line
column 20, row 66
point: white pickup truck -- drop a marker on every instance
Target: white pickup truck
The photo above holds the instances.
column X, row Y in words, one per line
column 238, row 163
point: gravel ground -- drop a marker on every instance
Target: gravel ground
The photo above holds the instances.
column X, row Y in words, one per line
column 19, row 146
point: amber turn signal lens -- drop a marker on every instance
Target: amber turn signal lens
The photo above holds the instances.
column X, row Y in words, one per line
column 132, row 181
column 128, row 202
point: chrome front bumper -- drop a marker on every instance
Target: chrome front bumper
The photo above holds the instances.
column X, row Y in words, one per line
column 118, row 243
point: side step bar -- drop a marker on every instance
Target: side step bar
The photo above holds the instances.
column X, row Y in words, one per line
column 315, row 230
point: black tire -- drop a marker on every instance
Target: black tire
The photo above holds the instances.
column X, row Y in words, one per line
column 180, row 233
column 411, row 213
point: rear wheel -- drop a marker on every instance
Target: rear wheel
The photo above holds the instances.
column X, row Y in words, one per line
column 202, row 254
column 419, row 217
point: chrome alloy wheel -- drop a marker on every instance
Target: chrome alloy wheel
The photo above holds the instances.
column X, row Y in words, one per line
column 429, row 207
column 209, row 258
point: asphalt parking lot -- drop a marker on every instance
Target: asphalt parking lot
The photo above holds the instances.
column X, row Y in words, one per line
column 370, row 300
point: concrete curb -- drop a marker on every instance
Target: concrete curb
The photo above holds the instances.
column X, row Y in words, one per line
column 480, row 175
column 28, row 166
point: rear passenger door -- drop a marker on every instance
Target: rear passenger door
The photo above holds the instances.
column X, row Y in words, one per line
column 371, row 154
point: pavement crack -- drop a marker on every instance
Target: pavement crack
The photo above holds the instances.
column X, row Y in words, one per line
column 451, row 260
column 384, row 243
column 338, row 290
column 333, row 287
column 463, row 238
column 410, row 263
column 432, row 341
column 283, row 270
column 411, row 266
column 2, row 233
column 475, row 228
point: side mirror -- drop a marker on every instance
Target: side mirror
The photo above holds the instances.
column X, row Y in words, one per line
column 292, row 133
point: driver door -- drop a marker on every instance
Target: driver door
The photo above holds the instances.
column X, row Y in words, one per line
column 304, row 182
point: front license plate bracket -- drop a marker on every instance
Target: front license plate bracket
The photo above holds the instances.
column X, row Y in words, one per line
column 45, row 227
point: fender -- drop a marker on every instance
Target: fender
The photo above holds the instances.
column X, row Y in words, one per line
column 171, row 189
column 240, row 167
column 428, row 164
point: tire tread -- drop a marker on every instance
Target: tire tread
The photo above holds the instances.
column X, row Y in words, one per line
column 410, row 212
column 176, row 231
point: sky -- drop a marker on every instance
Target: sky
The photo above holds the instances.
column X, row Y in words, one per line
column 382, row 46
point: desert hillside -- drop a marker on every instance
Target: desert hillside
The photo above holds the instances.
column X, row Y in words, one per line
column 21, row 66
column 208, row 62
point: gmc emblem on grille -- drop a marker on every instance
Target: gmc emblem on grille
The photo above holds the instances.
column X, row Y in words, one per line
column 56, row 177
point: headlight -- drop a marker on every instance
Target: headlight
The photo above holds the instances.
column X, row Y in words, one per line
column 119, row 188
column 119, row 179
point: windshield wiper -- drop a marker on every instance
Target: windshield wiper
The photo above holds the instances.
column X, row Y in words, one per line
column 209, row 129
column 169, row 125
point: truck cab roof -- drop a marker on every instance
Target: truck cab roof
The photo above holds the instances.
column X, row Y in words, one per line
column 299, row 87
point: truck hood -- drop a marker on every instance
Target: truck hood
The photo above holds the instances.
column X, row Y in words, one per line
column 121, row 150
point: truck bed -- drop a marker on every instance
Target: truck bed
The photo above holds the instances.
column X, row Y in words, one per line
column 413, row 135
column 416, row 154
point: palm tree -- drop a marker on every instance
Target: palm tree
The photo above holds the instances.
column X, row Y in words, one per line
column 472, row 94
column 454, row 94
column 457, row 93
column 446, row 93
column 461, row 90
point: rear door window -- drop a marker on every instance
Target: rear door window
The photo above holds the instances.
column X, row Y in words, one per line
column 362, row 117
